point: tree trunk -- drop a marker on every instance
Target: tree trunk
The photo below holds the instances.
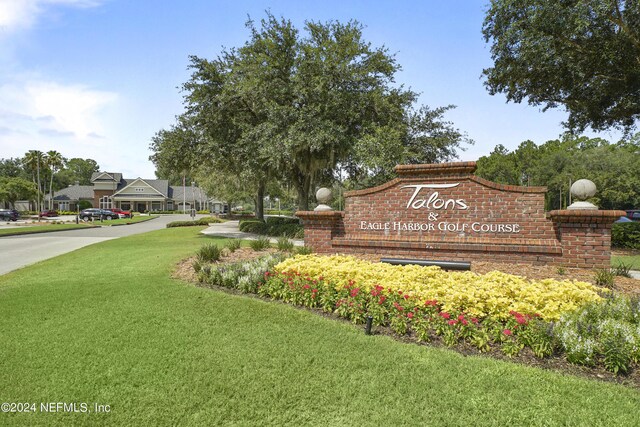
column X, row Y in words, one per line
column 260, row 202
column 51, row 191
column 303, row 186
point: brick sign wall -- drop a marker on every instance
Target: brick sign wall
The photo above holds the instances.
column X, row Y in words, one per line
column 444, row 212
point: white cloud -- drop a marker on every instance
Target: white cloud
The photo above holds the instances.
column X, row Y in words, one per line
column 45, row 115
column 48, row 107
column 22, row 14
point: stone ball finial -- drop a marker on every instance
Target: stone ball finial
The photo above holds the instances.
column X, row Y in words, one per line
column 583, row 189
column 323, row 196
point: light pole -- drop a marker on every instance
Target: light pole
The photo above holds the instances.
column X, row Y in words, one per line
column 193, row 196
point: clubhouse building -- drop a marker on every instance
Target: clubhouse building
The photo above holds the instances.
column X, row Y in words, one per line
column 111, row 190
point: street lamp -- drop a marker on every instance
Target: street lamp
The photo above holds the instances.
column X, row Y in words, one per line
column 193, row 196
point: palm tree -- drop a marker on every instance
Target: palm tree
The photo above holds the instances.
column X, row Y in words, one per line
column 34, row 160
column 55, row 161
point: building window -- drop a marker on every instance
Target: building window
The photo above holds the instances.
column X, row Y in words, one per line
column 139, row 190
column 105, row 202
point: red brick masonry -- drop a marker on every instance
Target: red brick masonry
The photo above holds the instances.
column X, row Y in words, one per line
column 443, row 212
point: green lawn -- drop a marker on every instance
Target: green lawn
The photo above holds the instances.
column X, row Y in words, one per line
column 120, row 332
column 631, row 260
column 19, row 229
column 136, row 218
column 14, row 230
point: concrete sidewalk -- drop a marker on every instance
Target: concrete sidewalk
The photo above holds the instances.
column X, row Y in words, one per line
column 231, row 230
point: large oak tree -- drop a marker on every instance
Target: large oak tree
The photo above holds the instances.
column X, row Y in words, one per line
column 583, row 55
column 294, row 107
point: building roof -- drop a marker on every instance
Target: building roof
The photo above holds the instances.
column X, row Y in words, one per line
column 80, row 192
column 74, row 192
column 106, row 176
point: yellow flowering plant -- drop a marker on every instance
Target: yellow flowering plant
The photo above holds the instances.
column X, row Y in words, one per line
column 494, row 294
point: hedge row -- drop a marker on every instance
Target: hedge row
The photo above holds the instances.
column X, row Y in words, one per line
column 201, row 221
column 273, row 226
column 626, row 235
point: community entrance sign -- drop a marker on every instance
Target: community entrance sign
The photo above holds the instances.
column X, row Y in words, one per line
column 444, row 212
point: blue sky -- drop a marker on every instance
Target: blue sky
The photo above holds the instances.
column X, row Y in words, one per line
column 98, row 78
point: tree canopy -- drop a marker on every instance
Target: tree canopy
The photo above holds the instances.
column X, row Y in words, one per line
column 583, row 55
column 614, row 168
column 295, row 107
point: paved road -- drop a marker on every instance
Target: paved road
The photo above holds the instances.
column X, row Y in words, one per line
column 20, row 251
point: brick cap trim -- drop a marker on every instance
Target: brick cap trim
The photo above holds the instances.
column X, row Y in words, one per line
column 537, row 247
column 586, row 215
column 325, row 215
column 436, row 168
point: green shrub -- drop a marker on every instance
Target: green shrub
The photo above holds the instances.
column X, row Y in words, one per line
column 284, row 244
column 253, row 226
column 84, row 204
column 245, row 276
column 199, row 222
column 303, row 250
column 233, row 244
column 273, row 226
column 209, row 253
column 260, row 244
column 608, row 331
column 626, row 235
column 605, row 278
column 622, row 269
column 284, row 226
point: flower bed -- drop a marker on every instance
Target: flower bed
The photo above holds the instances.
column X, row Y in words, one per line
column 429, row 304
column 494, row 294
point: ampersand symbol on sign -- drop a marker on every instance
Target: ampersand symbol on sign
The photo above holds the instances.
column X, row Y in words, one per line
column 433, row 216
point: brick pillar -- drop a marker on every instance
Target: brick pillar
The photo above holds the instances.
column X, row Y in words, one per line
column 585, row 236
column 319, row 228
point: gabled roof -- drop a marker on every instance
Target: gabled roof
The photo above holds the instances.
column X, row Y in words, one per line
column 160, row 185
column 74, row 192
column 106, row 176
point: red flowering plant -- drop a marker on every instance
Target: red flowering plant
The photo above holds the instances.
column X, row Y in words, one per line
column 398, row 319
column 352, row 303
column 424, row 319
column 378, row 305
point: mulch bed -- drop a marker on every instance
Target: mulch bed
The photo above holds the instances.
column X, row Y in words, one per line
column 184, row 271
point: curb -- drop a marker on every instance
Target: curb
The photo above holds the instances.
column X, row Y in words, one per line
column 47, row 231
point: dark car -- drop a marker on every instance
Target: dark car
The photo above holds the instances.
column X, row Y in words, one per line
column 9, row 215
column 49, row 213
column 95, row 213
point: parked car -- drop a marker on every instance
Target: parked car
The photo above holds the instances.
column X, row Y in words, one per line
column 121, row 213
column 96, row 213
column 49, row 213
column 634, row 215
column 9, row 215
